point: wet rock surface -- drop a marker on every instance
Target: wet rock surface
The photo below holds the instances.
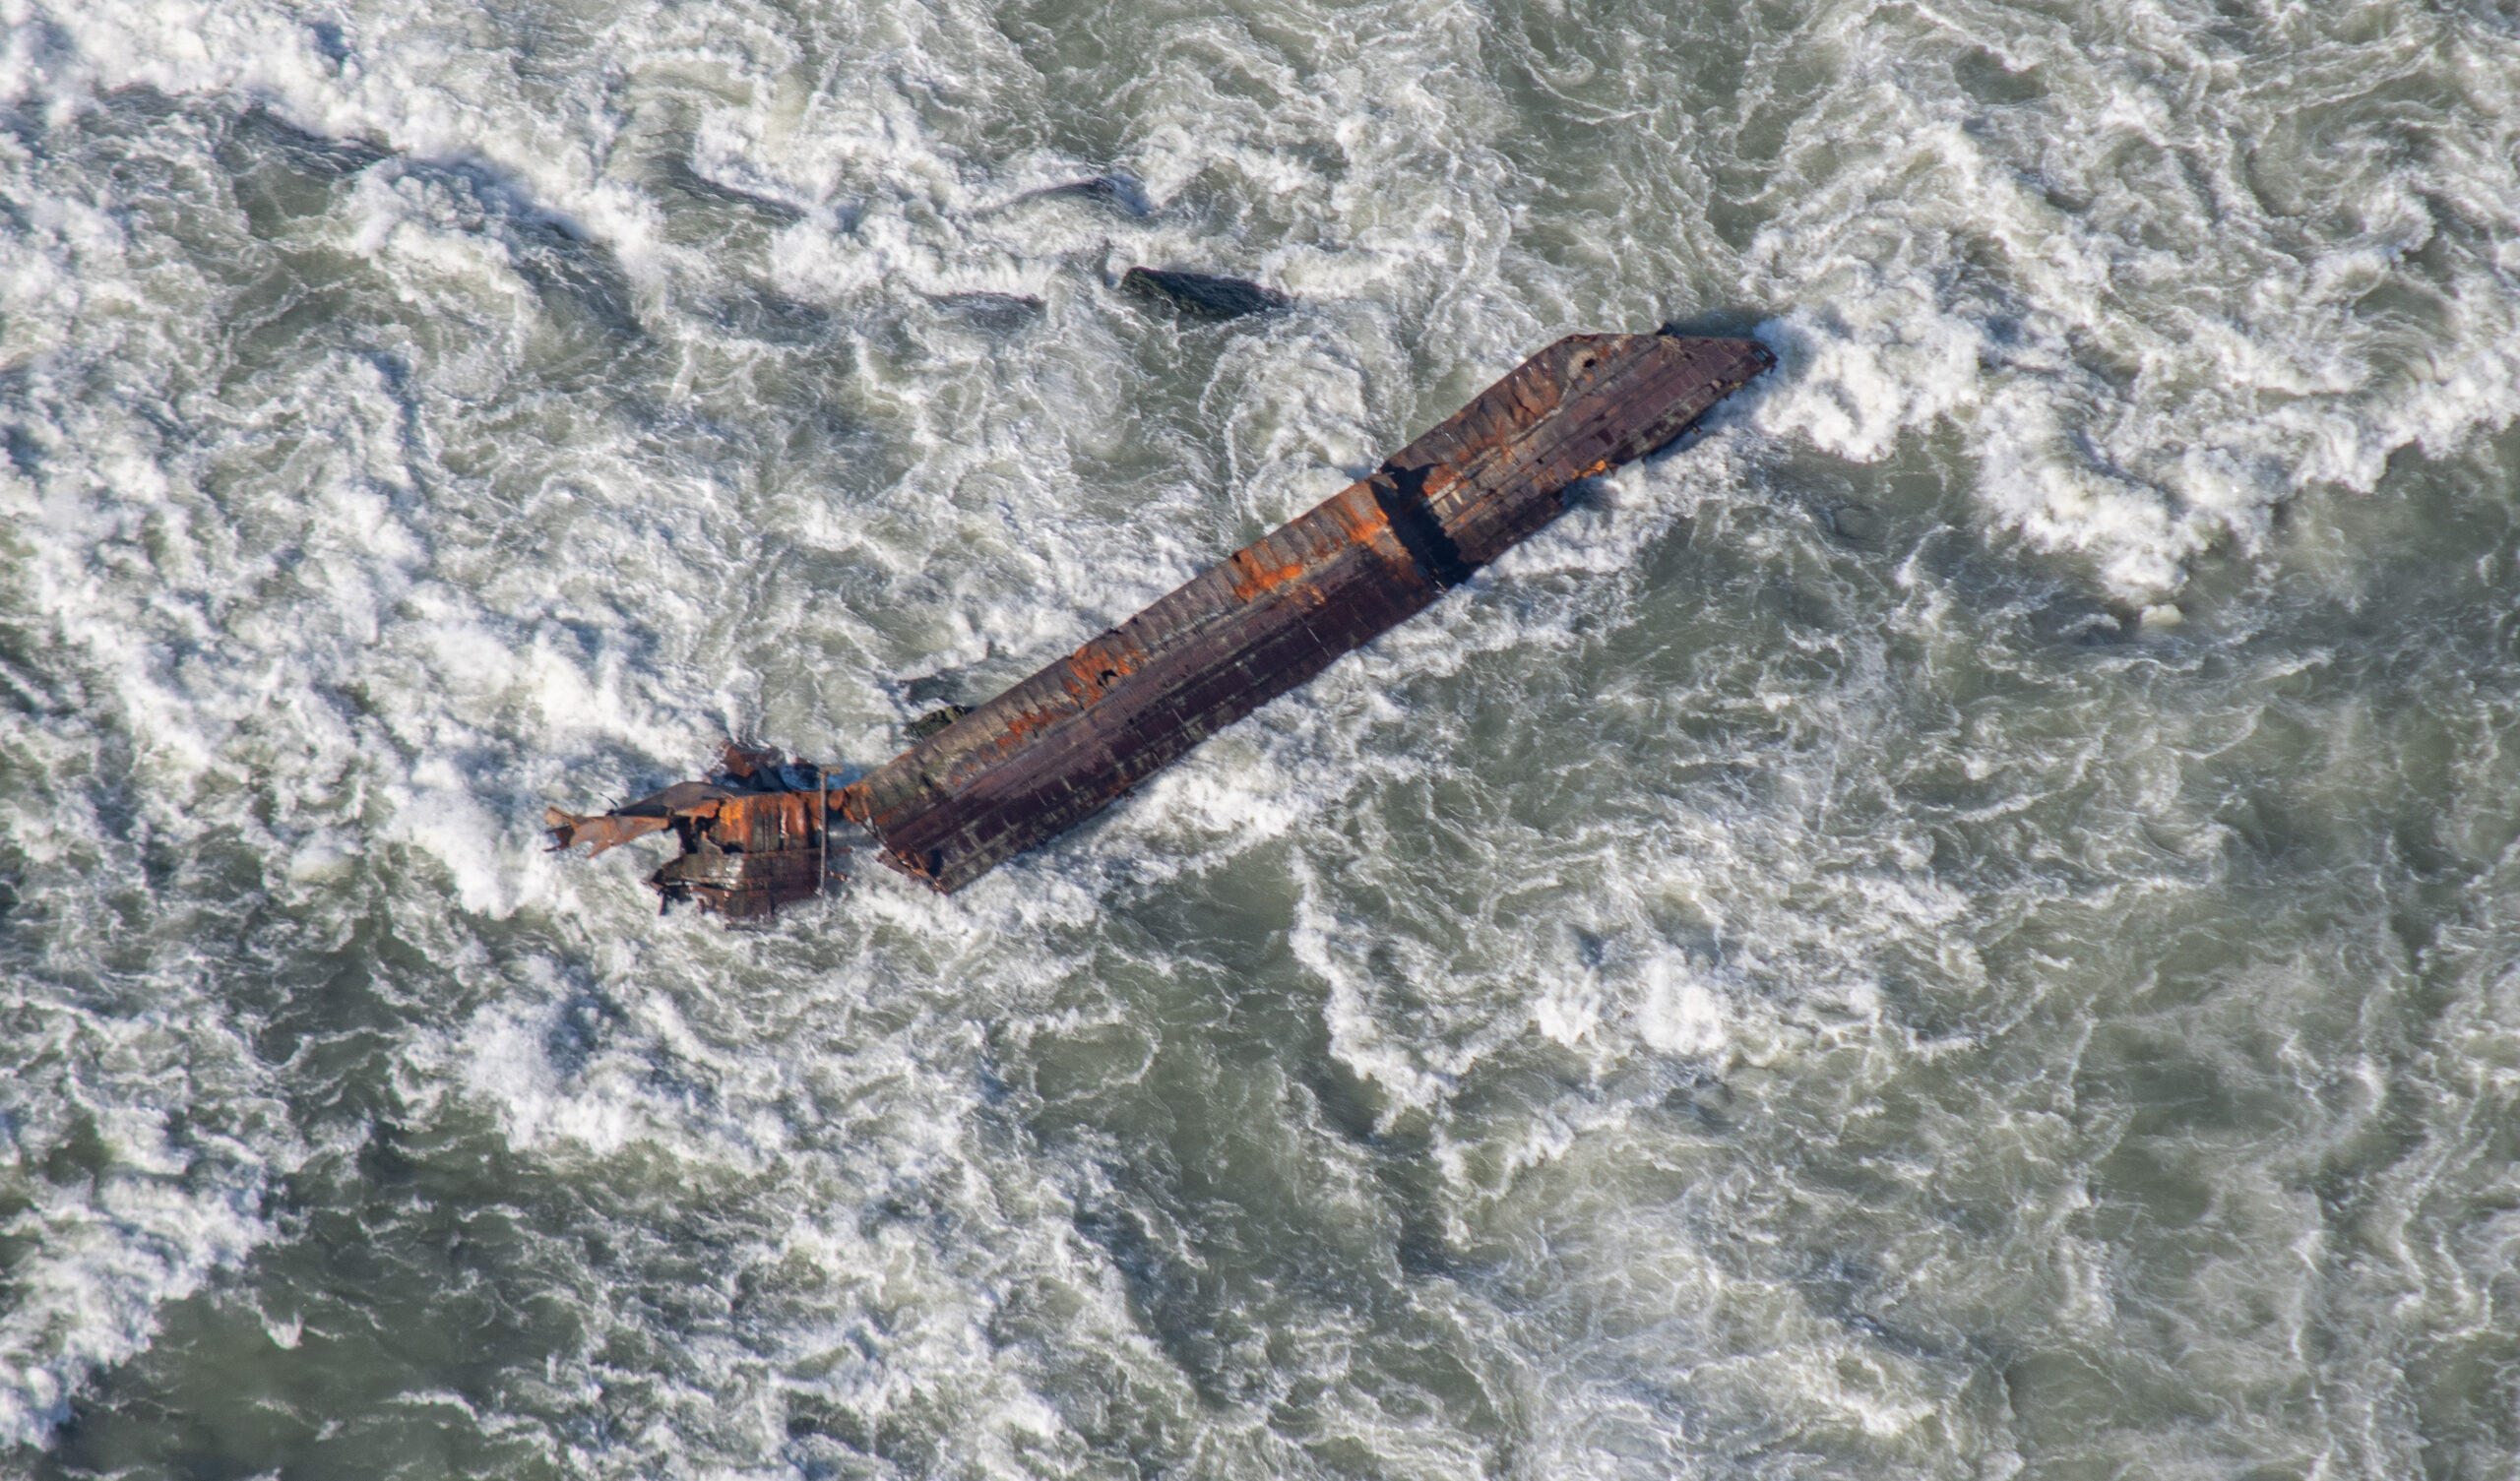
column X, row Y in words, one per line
column 1201, row 295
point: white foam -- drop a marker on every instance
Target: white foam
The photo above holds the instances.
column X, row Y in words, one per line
column 1680, row 1014
column 1357, row 1037
column 2145, row 372
column 149, row 1220
column 271, row 582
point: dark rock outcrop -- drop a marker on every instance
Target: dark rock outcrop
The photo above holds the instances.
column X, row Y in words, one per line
column 1199, row 295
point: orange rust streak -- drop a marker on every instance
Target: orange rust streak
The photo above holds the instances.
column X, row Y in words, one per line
column 1021, row 724
column 738, row 820
column 1359, row 517
column 1096, row 667
column 1250, row 581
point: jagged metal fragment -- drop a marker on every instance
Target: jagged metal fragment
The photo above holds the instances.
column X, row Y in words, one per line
column 753, row 836
column 936, row 719
column 1067, row 742
column 651, row 814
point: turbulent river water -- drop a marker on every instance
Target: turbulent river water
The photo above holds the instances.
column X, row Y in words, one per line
column 1965, row 925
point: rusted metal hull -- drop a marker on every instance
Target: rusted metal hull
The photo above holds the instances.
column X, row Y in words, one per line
column 754, row 835
column 1070, row 740
column 1077, row 736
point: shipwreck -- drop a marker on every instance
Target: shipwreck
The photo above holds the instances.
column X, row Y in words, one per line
column 986, row 784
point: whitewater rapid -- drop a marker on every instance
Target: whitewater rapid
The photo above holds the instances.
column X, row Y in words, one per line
column 1961, row 925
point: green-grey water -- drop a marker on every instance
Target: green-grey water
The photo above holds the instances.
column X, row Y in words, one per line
column 1964, row 924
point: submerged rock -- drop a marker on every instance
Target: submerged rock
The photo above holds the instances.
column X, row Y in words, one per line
column 1119, row 191
column 1202, row 296
column 1857, row 524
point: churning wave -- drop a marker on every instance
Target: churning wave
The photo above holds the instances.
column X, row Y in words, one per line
column 1957, row 924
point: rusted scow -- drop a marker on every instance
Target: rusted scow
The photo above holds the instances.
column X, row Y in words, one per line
column 1070, row 740
column 754, row 834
